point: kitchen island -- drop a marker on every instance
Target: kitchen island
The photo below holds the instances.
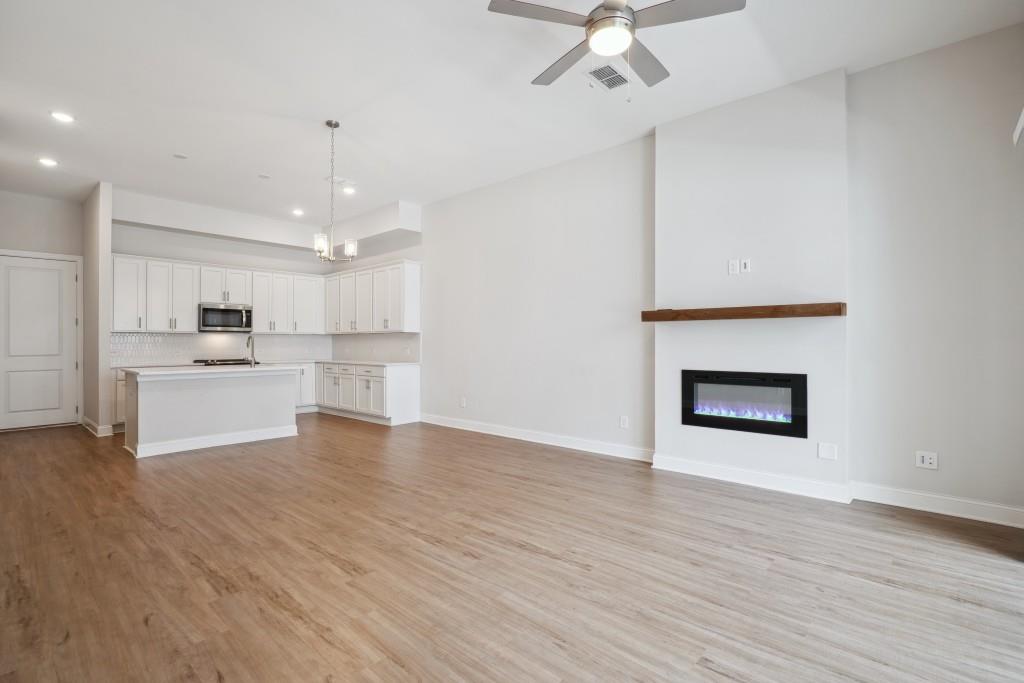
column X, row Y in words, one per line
column 173, row 409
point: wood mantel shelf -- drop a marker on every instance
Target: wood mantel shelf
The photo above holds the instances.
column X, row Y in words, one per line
column 744, row 312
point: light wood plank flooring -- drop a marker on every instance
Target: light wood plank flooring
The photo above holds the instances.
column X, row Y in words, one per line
column 360, row 553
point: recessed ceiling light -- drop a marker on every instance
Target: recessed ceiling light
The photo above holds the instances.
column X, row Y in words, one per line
column 298, row 212
column 46, row 161
column 180, row 156
column 348, row 189
column 62, row 117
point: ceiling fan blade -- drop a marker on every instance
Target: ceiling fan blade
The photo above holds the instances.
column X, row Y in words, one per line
column 645, row 64
column 674, row 11
column 531, row 11
column 562, row 65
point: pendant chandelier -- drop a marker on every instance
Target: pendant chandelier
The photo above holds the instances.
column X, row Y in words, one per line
column 323, row 244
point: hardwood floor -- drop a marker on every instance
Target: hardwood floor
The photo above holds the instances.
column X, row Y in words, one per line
column 360, row 553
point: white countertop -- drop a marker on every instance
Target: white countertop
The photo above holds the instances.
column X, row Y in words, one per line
column 377, row 363
column 196, row 371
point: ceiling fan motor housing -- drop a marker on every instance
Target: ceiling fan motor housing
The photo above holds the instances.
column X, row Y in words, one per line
column 602, row 18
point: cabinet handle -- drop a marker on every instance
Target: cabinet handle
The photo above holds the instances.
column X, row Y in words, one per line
column 295, row 326
column 385, row 323
column 140, row 322
column 170, row 323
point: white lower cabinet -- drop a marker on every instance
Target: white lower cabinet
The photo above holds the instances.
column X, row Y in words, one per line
column 390, row 392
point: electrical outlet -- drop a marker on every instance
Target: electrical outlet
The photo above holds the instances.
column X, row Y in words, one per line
column 462, row 402
column 828, row 451
column 734, row 266
column 623, row 421
column 746, row 266
column 927, row 460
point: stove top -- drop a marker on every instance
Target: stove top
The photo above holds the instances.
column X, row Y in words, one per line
column 223, row 361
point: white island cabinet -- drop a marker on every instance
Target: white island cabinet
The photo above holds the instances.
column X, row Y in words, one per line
column 168, row 410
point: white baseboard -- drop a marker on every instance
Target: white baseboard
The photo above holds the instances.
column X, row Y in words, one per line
column 301, row 410
column 967, row 508
column 97, row 430
column 355, row 416
column 194, row 442
column 601, row 447
column 813, row 488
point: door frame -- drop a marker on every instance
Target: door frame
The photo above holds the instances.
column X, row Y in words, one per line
column 79, row 317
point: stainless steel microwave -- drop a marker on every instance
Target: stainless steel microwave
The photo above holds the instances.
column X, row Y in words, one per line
column 217, row 317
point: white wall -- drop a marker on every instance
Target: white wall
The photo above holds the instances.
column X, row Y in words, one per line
column 937, row 236
column 32, row 223
column 188, row 246
column 532, row 295
column 97, row 283
column 763, row 178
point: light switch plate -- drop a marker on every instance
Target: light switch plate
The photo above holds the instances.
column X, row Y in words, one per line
column 828, row 451
column 734, row 266
column 926, row 460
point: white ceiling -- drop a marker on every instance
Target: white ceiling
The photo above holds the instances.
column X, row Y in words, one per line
column 434, row 97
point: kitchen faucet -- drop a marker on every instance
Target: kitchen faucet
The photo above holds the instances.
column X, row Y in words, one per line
column 250, row 346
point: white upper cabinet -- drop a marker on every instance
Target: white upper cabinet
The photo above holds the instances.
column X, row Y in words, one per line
column 185, row 298
column 172, row 291
column 262, row 289
column 129, row 284
column 332, row 312
column 364, row 301
column 347, row 286
column 272, row 303
column 158, row 296
column 226, row 285
column 396, row 298
column 308, row 305
column 281, row 316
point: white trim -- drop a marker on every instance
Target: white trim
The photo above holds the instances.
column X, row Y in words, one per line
column 616, row 450
column 967, row 508
column 41, row 255
column 355, row 416
column 97, row 430
column 801, row 486
column 300, row 410
column 211, row 440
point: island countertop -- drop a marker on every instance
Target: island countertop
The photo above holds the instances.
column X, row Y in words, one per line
column 201, row 371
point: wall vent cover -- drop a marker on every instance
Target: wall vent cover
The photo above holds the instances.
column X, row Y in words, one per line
column 609, row 77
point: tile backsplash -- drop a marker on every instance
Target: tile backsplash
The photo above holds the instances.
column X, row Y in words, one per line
column 128, row 349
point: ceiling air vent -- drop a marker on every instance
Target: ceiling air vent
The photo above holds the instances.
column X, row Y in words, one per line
column 608, row 76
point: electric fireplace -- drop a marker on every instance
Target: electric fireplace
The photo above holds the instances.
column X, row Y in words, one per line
column 768, row 403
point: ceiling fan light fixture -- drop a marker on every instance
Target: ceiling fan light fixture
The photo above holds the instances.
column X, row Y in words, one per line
column 610, row 36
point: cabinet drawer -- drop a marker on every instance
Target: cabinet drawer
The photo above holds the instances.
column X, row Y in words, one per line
column 331, row 369
column 371, row 371
column 347, row 369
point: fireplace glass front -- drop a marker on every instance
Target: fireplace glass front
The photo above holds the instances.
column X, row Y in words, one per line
column 769, row 403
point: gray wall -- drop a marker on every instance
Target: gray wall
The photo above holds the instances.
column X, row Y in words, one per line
column 32, row 223
column 936, row 239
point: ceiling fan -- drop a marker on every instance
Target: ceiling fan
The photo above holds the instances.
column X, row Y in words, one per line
column 611, row 27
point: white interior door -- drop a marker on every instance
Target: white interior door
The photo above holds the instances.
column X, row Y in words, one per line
column 38, row 342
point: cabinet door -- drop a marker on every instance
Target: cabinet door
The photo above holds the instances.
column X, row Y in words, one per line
column 307, row 305
column 363, row 394
column 185, row 298
column 347, row 286
column 129, row 285
column 332, row 390
column 281, row 304
column 378, row 388
column 238, row 286
column 332, row 294
column 364, row 301
column 347, row 396
column 158, row 296
column 212, row 288
column 262, row 285
column 381, row 300
column 307, row 385
column 319, row 384
column 394, row 320
column 119, row 389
